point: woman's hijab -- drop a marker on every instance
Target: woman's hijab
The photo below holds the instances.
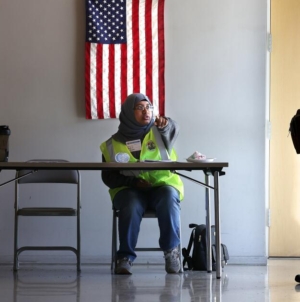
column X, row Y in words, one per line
column 129, row 128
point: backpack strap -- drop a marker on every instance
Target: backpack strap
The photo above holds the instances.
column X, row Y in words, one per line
column 225, row 252
column 187, row 259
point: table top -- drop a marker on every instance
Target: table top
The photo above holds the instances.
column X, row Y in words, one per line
column 52, row 165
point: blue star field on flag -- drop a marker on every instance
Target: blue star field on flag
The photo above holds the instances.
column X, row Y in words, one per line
column 106, row 21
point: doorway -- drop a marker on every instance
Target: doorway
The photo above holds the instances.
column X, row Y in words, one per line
column 284, row 238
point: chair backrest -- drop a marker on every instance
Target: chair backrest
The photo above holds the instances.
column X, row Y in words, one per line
column 49, row 176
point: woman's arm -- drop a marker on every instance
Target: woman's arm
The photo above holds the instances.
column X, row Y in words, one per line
column 113, row 179
column 169, row 133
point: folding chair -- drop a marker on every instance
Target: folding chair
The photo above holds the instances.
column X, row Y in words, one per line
column 51, row 178
column 147, row 214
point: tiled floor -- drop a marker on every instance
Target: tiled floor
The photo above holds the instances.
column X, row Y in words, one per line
column 274, row 282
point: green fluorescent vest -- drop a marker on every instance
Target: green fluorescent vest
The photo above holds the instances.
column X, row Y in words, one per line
column 151, row 150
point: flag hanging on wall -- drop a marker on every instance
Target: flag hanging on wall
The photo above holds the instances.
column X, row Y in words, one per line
column 124, row 54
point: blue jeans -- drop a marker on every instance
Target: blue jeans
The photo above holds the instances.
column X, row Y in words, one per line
column 132, row 204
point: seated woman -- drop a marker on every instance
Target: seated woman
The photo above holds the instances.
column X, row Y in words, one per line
column 141, row 136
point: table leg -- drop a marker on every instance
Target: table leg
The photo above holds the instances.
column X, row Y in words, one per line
column 218, row 225
column 208, row 227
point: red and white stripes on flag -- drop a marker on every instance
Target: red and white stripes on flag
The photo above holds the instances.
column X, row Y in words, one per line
column 113, row 68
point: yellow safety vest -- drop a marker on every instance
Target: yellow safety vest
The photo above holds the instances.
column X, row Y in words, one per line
column 153, row 148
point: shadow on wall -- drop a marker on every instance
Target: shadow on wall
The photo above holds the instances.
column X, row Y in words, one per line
column 79, row 59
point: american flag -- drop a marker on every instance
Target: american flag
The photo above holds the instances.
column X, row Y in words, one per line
column 124, row 54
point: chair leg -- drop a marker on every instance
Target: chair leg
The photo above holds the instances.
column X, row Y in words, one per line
column 78, row 241
column 114, row 242
column 16, row 260
column 16, row 263
column 180, row 248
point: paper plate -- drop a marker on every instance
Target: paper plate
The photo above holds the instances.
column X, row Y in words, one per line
column 206, row 160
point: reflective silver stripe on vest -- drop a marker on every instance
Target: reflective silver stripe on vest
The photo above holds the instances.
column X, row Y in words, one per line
column 112, row 155
column 161, row 146
column 110, row 149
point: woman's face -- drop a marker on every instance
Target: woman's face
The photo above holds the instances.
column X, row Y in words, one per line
column 143, row 112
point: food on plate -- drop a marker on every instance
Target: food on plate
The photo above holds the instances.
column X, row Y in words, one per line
column 198, row 155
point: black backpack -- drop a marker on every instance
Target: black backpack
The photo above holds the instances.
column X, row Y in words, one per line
column 295, row 131
column 197, row 261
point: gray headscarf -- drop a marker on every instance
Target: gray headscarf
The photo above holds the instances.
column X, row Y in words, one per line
column 129, row 128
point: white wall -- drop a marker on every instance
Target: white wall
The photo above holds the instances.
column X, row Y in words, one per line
column 215, row 89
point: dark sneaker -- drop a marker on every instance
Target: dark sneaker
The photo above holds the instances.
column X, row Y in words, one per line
column 123, row 267
column 172, row 261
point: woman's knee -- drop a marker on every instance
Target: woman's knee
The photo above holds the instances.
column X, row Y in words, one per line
column 169, row 193
column 167, row 197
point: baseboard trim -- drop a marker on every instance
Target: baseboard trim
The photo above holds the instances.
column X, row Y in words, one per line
column 240, row 260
